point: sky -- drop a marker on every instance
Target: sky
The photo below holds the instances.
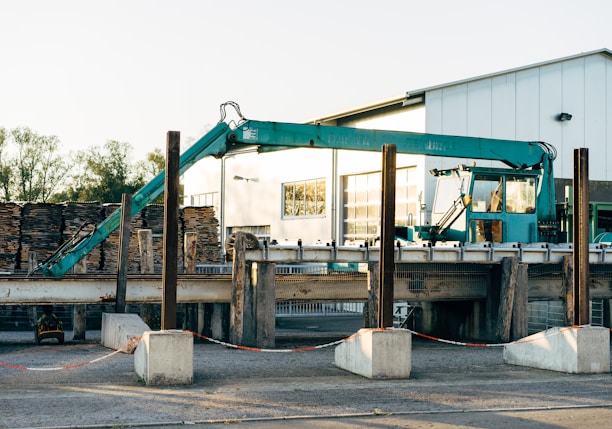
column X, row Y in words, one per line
column 131, row 70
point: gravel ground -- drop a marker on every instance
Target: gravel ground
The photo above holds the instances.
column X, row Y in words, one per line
column 233, row 385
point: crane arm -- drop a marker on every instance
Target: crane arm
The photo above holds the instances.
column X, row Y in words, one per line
column 271, row 136
column 71, row 252
column 274, row 136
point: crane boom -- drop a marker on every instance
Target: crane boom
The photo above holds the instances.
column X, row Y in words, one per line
column 274, row 136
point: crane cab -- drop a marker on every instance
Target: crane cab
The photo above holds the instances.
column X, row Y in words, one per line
column 484, row 204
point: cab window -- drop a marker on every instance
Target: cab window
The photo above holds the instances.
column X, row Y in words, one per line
column 487, row 194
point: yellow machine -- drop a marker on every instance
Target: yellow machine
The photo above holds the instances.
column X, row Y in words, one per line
column 49, row 326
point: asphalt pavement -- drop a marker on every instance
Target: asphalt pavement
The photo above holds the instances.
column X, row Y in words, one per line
column 82, row 384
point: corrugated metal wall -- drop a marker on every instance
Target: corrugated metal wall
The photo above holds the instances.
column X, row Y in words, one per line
column 524, row 105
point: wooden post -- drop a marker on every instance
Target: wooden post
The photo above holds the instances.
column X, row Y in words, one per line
column 124, row 250
column 190, row 251
column 145, row 247
column 506, row 300
column 79, row 311
column 240, row 278
column 370, row 317
column 216, row 322
column 252, row 321
column 387, row 246
column 568, row 288
column 32, row 263
column 263, row 281
column 170, row 257
column 582, row 314
column 520, row 325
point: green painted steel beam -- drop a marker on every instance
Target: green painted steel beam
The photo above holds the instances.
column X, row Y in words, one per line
column 272, row 136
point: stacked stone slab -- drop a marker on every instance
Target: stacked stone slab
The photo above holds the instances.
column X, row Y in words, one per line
column 202, row 220
column 40, row 231
column 82, row 218
column 41, row 228
column 10, row 222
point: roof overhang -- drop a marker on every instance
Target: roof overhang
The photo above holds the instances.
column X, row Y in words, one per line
column 390, row 105
column 421, row 91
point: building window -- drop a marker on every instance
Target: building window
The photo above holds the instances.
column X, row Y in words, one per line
column 207, row 199
column 305, row 198
column 362, row 199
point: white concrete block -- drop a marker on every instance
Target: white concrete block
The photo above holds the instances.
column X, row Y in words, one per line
column 121, row 330
column 377, row 353
column 580, row 349
column 165, row 358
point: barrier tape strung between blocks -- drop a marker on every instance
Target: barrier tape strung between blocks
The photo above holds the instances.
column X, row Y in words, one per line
column 293, row 350
column 76, row 365
column 467, row 344
column 256, row 349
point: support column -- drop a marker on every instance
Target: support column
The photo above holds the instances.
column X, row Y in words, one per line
column 191, row 309
column 79, row 311
column 171, row 192
column 263, row 278
column 124, row 250
column 387, row 247
column 145, row 246
column 217, row 321
column 240, row 278
column 520, row 325
column 370, row 315
column 506, row 301
column 568, row 288
column 582, row 315
column 252, row 321
column 32, row 264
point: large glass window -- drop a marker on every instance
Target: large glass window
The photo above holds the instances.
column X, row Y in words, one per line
column 520, row 194
column 487, row 194
column 362, row 199
column 305, row 198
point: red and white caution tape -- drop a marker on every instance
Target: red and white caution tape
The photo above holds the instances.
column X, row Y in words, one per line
column 257, row 349
column 75, row 365
column 293, row 350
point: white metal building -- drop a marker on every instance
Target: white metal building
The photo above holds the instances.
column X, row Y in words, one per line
column 325, row 195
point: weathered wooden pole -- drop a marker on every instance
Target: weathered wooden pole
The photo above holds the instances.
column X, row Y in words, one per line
column 241, row 276
column 124, row 251
column 582, row 314
column 79, row 311
column 568, row 289
column 387, row 246
column 170, row 256
column 190, row 248
column 520, row 316
column 263, row 290
column 371, row 307
column 506, row 299
column 145, row 246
